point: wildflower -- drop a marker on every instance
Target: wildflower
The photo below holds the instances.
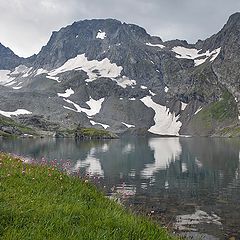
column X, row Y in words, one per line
column 49, row 174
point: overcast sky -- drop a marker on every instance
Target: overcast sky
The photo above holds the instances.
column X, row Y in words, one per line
column 26, row 25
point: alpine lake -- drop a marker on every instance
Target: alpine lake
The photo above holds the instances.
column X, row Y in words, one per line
column 190, row 185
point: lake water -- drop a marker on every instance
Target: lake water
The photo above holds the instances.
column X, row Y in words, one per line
column 191, row 185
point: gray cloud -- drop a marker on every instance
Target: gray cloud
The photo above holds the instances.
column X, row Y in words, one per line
column 26, row 25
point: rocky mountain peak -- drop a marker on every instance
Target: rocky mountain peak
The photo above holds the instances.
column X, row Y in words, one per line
column 8, row 59
column 95, row 38
column 234, row 19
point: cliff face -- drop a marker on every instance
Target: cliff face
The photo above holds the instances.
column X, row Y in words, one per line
column 115, row 76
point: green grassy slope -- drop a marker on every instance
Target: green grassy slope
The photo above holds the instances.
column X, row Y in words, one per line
column 39, row 202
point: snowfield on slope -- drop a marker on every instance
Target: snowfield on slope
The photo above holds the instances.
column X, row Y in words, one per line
column 94, row 69
column 166, row 123
column 192, row 53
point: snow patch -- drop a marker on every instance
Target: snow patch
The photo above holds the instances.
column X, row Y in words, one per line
column 183, row 106
column 155, row 45
column 53, row 78
column 152, row 93
column 128, row 125
column 41, row 71
column 105, row 126
column 15, row 113
column 215, row 54
column 93, row 68
column 125, row 81
column 22, row 69
column 166, row 123
column 67, row 93
column 192, row 53
column 143, row 87
column 166, row 89
column 101, row 34
column 95, row 106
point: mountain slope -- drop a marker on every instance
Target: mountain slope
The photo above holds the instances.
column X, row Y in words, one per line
column 115, row 76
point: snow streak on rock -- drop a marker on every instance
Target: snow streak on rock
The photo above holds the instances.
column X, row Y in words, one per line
column 155, row 45
column 15, row 113
column 105, row 126
column 95, row 106
column 128, row 125
column 67, row 93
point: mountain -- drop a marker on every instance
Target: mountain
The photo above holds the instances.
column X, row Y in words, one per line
column 8, row 59
column 106, row 74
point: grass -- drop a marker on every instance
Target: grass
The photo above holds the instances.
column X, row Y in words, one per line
column 216, row 116
column 40, row 202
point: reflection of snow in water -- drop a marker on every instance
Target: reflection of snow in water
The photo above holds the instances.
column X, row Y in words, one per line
column 128, row 148
column 165, row 151
column 199, row 164
column 166, row 185
column 132, row 173
column 91, row 163
column 105, row 147
column 184, row 167
column 187, row 222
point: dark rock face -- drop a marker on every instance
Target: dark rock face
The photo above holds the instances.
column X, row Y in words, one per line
column 180, row 84
column 8, row 60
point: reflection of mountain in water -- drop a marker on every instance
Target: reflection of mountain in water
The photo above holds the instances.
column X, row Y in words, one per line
column 186, row 165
